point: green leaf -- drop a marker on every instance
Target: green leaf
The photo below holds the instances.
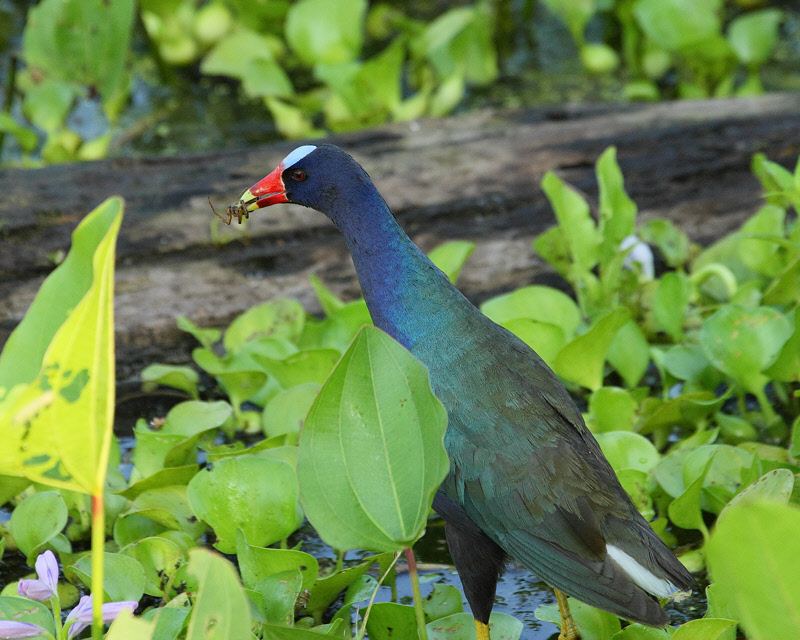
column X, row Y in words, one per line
column 672, row 242
column 758, row 574
column 617, row 210
column 286, row 411
column 574, row 13
column 26, row 138
column 160, row 559
column 282, row 319
column 126, row 626
column 123, row 576
column 371, row 452
column 572, row 213
column 170, row 375
column 536, row 302
column 593, row 624
column 685, row 510
column 582, row 360
column 461, row 626
column 24, row 610
column 444, row 600
column 257, row 495
column 612, row 409
column 629, row 353
column 319, row 31
column 671, row 303
column 754, row 35
column 677, row 24
column 311, row 366
column 389, row 620
column 451, row 256
column 326, row 590
column 544, row 338
column 257, row 563
column 787, row 365
column 220, row 610
column 638, row 631
column 706, row 629
column 743, row 342
column 67, row 336
column 82, row 41
column 206, row 337
column 627, row 450
column 773, row 486
column 37, row 520
column 48, row 103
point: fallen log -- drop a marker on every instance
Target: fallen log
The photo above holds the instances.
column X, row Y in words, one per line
column 472, row 177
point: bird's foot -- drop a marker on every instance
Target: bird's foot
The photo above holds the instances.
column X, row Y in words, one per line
column 569, row 630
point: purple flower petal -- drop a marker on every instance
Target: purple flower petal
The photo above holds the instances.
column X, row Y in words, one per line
column 82, row 614
column 35, row 590
column 11, row 630
column 47, row 569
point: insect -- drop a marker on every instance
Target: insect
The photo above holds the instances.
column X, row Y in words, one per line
column 237, row 210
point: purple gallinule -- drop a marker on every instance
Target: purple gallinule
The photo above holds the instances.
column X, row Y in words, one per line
column 527, row 479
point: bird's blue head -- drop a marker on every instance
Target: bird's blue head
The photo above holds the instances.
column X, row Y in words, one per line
column 322, row 177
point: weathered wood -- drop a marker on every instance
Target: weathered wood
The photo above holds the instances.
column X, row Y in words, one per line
column 474, row 177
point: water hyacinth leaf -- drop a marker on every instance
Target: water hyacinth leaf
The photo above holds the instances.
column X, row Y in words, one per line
column 758, row 574
column 123, row 576
column 256, row 563
column 328, row 300
column 671, row 241
column 169, row 620
column 220, row 609
column 636, row 484
column 582, row 360
column 205, row 337
column 617, row 210
column 159, row 558
column 127, row 626
column 358, row 591
column 444, row 600
column 735, row 429
column 552, row 246
column 671, row 302
column 58, row 38
column 152, row 448
column 593, row 624
column 274, row 632
column 129, row 529
column 638, row 631
column 572, row 213
column 773, row 486
column 451, row 256
column 461, row 626
column 37, row 520
column 160, row 479
column 743, row 342
column 677, row 24
column 24, row 610
column 612, row 409
column 234, row 53
column 327, row 589
column 193, row 417
column 574, row 14
column 536, row 302
column 629, row 353
column 762, row 253
column 544, row 338
column 706, row 629
column 26, row 138
column 371, row 452
column 785, row 288
column 685, row 510
column 686, row 409
column 627, row 450
column 279, row 592
column 48, row 103
column 258, row 495
column 80, row 393
column 11, row 486
column 169, row 375
column 286, row 411
column 282, row 318
column 390, row 620
column 311, row 366
column 754, row 35
column 325, row 32
column 787, row 365
column 168, row 506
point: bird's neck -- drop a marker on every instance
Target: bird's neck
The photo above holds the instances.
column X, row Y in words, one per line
column 407, row 296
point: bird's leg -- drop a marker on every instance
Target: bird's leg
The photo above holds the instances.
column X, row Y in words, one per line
column 481, row 630
column 569, row 630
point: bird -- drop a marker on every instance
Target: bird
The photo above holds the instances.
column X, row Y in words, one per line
column 527, row 479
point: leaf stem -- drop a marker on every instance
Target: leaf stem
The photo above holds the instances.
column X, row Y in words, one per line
column 55, row 605
column 412, row 573
column 98, row 544
column 363, row 630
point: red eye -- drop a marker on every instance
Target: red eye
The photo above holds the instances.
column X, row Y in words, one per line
column 299, row 175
